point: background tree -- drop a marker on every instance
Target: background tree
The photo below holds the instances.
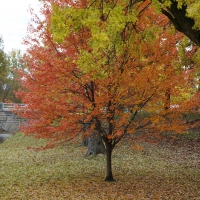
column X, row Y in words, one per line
column 8, row 63
column 184, row 15
column 106, row 63
column 14, row 60
column 3, row 69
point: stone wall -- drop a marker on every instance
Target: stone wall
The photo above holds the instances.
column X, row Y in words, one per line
column 9, row 122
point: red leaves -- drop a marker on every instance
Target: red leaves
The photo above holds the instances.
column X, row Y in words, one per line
column 48, row 146
column 129, row 97
column 137, row 147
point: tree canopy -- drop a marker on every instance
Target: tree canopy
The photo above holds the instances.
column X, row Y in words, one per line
column 3, row 68
column 115, row 65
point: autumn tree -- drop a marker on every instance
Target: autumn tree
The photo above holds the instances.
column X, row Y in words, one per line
column 106, row 63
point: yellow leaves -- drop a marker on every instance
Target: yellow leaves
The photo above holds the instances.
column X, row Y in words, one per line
column 58, row 26
column 158, row 5
column 193, row 12
column 99, row 41
column 92, row 64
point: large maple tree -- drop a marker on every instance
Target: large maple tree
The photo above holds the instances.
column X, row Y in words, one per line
column 104, row 63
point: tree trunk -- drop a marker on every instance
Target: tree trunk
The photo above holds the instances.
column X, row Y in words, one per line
column 109, row 176
column 95, row 144
column 167, row 99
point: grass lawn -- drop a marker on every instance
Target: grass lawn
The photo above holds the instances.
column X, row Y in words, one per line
column 157, row 172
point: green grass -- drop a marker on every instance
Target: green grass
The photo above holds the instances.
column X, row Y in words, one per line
column 156, row 172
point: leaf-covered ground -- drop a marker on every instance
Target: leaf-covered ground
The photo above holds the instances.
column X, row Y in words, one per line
column 157, row 172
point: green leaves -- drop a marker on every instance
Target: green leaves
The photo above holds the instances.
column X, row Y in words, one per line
column 193, row 12
column 104, row 35
column 193, row 8
column 59, row 27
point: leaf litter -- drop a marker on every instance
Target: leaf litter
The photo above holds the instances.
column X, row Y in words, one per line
column 158, row 171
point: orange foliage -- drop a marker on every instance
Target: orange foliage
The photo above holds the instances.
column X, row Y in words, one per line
column 61, row 98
